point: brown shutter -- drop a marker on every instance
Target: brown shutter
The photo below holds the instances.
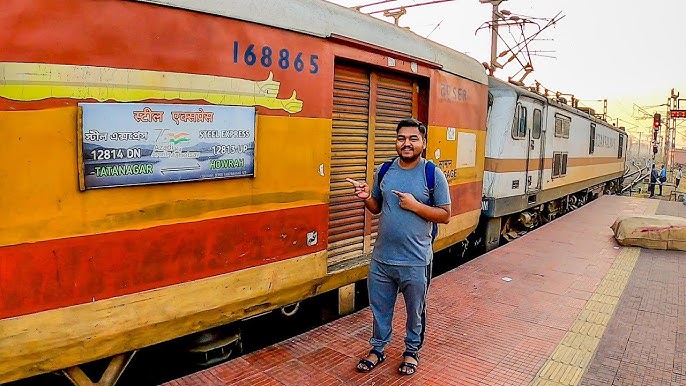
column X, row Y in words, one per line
column 350, row 127
column 394, row 101
column 366, row 109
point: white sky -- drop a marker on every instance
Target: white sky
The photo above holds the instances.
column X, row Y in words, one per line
column 627, row 51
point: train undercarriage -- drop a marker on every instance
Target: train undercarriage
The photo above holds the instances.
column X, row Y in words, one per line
column 495, row 231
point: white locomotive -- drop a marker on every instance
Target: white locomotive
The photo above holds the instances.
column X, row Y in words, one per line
column 543, row 158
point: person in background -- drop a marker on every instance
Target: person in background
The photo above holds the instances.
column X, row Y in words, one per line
column 653, row 180
column 663, row 177
column 677, row 177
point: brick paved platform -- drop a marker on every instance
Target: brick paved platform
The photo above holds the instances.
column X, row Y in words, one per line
column 578, row 310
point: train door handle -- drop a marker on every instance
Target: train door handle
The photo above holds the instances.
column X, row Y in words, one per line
column 532, row 144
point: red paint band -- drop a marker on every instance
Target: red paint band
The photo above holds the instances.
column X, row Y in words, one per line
column 64, row 272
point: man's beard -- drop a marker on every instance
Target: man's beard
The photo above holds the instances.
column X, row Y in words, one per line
column 413, row 158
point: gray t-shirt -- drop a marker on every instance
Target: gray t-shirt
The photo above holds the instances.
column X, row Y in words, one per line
column 404, row 238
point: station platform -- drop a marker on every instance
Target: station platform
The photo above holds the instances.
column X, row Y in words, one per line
column 562, row 305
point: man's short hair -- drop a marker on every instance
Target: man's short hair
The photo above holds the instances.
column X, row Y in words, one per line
column 411, row 122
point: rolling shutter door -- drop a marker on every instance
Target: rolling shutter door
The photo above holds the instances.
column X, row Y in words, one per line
column 366, row 109
column 394, row 101
column 350, row 129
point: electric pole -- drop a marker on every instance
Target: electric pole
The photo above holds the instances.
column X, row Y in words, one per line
column 665, row 152
column 495, row 17
column 638, row 156
column 657, row 123
column 671, row 131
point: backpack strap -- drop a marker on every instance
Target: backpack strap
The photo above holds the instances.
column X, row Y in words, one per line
column 430, row 174
column 384, row 168
column 382, row 172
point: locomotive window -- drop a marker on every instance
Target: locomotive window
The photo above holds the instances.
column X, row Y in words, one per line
column 559, row 164
column 621, row 146
column 556, row 164
column 562, row 124
column 522, row 122
column 536, row 131
column 519, row 124
column 591, row 146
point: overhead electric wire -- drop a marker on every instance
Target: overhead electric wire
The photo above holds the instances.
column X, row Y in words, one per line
column 435, row 28
column 358, row 7
column 409, row 6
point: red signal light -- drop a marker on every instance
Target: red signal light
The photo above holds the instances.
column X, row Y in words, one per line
column 657, row 118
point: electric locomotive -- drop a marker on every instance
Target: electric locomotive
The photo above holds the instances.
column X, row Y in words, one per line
column 544, row 157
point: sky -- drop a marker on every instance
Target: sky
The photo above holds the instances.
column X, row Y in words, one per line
column 628, row 52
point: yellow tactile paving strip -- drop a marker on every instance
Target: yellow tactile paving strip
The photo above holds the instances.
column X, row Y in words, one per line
column 571, row 357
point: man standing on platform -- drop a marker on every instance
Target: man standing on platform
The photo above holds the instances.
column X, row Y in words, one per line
column 653, row 180
column 403, row 251
column 677, row 178
column 663, row 177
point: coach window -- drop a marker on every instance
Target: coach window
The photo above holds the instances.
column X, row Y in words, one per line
column 519, row 124
column 591, row 146
column 536, row 131
column 562, row 124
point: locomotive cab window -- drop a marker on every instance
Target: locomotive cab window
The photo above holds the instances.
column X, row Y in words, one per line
column 490, row 106
column 536, row 130
column 620, row 151
column 519, row 124
column 591, row 146
column 559, row 164
column 562, row 124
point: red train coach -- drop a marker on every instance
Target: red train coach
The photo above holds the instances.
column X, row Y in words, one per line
column 173, row 166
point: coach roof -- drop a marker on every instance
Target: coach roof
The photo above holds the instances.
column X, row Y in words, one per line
column 324, row 19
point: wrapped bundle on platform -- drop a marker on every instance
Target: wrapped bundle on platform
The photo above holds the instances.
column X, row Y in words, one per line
column 655, row 232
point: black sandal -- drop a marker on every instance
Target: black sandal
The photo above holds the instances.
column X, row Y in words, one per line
column 365, row 365
column 409, row 368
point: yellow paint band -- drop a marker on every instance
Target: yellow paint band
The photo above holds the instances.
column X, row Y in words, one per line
column 584, row 173
column 55, row 339
column 457, row 229
column 437, row 139
column 38, row 81
column 45, row 201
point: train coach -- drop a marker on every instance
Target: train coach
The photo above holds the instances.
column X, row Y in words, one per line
column 173, row 166
column 544, row 157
